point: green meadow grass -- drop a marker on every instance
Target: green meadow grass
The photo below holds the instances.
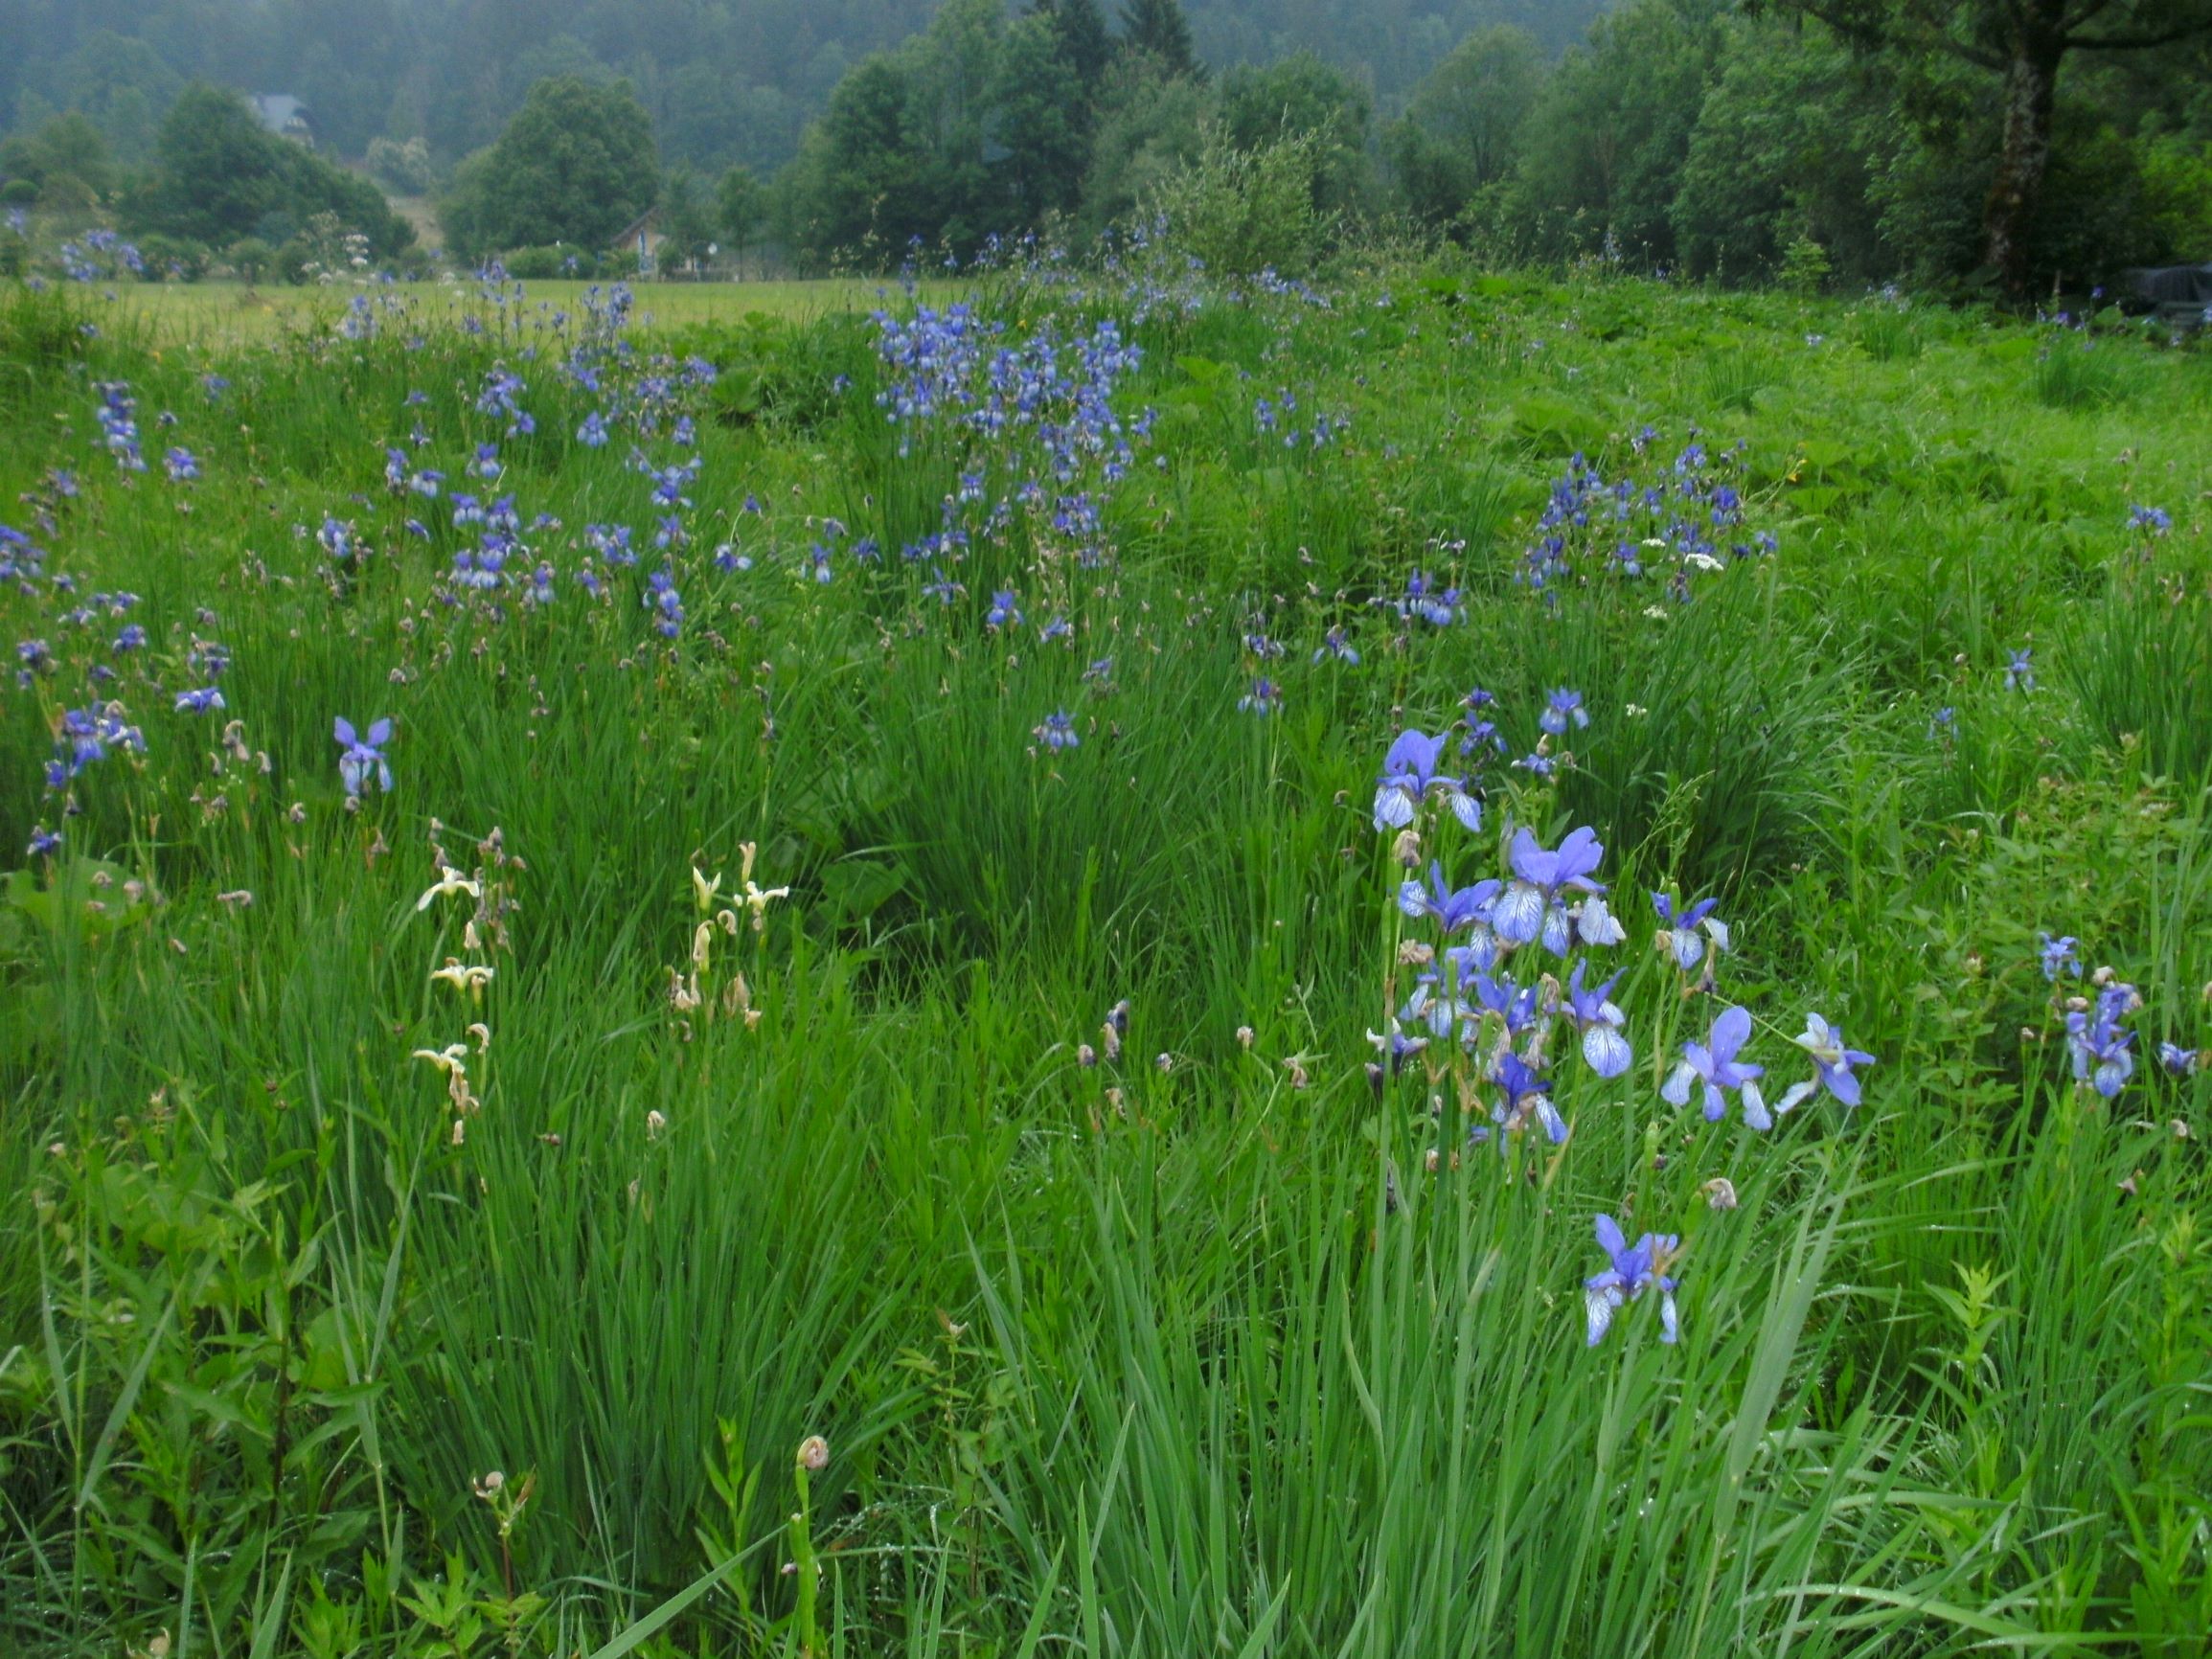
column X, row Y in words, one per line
column 231, row 314
column 1132, row 1359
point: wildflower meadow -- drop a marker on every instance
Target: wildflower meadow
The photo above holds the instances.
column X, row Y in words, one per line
column 1082, row 960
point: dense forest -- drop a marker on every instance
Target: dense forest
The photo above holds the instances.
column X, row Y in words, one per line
column 723, row 80
column 1993, row 146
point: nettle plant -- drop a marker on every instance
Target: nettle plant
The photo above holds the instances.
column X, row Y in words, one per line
column 1510, row 971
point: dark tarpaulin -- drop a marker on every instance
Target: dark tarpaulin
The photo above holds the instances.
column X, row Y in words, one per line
column 2176, row 288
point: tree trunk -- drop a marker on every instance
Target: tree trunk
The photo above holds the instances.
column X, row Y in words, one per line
column 2031, row 87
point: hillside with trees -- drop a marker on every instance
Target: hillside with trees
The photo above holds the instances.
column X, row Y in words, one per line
column 725, row 81
column 1979, row 146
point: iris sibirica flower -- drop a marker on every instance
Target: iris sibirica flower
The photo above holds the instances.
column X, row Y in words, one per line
column 84, row 738
column 1450, row 909
column 1409, row 776
column 1595, row 925
column 2180, row 1061
column 2019, row 672
column 1005, row 610
column 206, row 700
column 1831, row 1059
column 2059, row 955
column 1631, row 1270
column 1333, row 644
column 1514, row 1005
column 2100, row 1045
column 1565, row 708
column 1264, row 699
column 1604, row 1050
column 363, row 757
column 1680, row 928
column 665, row 602
column 1527, row 1094
column 1713, row 1065
column 1540, row 876
column 1058, row 732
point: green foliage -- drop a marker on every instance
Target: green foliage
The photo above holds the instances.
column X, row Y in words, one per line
column 66, row 163
column 1780, row 156
column 575, row 165
column 2078, row 371
column 1461, row 133
column 2032, row 222
column 406, row 168
column 2141, row 664
column 741, row 207
column 1128, row 1357
column 219, row 176
column 686, row 222
column 1239, row 211
column 976, row 127
column 2177, row 182
column 1301, row 97
column 1806, row 268
column 1150, row 127
column 1607, row 138
column 251, row 258
column 169, row 258
column 1158, row 29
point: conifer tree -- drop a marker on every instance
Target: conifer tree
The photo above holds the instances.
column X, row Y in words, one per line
column 1159, row 28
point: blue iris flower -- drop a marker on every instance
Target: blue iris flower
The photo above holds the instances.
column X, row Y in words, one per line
column 1713, row 1065
column 1429, row 1004
column 1058, row 732
column 1451, row 909
column 2059, row 955
column 1409, row 776
column 1830, row 1061
column 2100, row 1045
column 1604, row 1049
column 364, row 758
column 1631, row 1270
column 1565, row 708
column 1526, row 1094
column 1541, row 877
column 1514, row 1005
column 1334, row 645
column 1596, row 924
column 1681, row 923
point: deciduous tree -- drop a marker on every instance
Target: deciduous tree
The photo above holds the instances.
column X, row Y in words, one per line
column 2025, row 43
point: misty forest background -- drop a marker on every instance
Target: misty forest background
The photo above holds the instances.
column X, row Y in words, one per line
column 2016, row 144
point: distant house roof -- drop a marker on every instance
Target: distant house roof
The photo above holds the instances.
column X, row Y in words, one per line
column 647, row 224
column 285, row 115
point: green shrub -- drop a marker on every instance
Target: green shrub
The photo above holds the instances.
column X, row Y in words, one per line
column 251, row 258
column 1241, row 211
column 173, row 258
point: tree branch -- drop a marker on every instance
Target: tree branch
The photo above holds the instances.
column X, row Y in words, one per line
column 2138, row 42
